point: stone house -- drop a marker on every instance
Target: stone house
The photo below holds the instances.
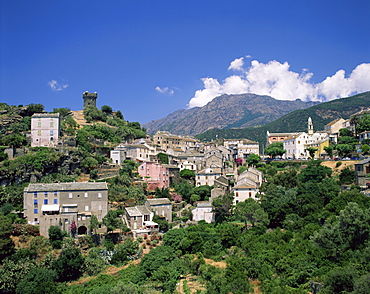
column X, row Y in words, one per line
column 362, row 171
column 242, row 148
column 166, row 140
column 59, row 204
column 161, row 207
column 139, row 151
column 140, row 220
column 244, row 189
column 222, row 186
column 207, row 176
column 45, row 129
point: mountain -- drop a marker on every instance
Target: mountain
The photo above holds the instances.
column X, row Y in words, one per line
column 225, row 112
column 296, row 121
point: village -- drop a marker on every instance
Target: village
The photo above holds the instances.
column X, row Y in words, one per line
column 210, row 164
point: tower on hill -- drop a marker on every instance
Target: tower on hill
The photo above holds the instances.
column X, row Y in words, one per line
column 89, row 98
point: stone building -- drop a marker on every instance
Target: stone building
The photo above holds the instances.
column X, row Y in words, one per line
column 166, row 140
column 59, row 204
column 89, row 98
column 161, row 207
column 45, row 129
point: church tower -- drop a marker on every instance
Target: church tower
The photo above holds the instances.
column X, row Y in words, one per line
column 310, row 126
column 89, row 98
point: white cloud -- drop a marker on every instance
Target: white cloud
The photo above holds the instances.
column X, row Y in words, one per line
column 55, row 86
column 278, row 81
column 165, row 90
column 237, row 64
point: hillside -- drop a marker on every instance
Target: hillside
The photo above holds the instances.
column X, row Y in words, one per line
column 321, row 115
column 224, row 112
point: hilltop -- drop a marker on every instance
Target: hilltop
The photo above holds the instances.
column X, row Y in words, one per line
column 225, row 112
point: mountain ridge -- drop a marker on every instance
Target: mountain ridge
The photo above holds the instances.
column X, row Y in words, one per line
column 226, row 111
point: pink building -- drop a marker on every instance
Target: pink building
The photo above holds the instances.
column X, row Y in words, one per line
column 45, row 129
column 155, row 175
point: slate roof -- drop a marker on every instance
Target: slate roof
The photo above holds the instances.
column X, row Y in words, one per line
column 83, row 186
column 158, row 201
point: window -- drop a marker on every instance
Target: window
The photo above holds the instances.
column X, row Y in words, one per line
column 86, row 195
column 45, row 201
column 55, row 193
column 99, row 207
column 39, row 133
column 35, row 194
column 35, row 201
column 36, row 219
column 46, row 194
column 51, row 133
column 55, row 201
column 66, row 209
column 86, row 208
column 35, row 210
column 99, row 195
column 52, row 124
column 69, row 195
column 39, row 124
column 146, row 217
column 250, row 194
column 134, row 218
column 237, row 194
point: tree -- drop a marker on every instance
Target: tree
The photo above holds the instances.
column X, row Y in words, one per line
column 94, row 223
column 365, row 148
column 89, row 163
column 111, row 220
column 56, row 236
column 347, row 176
column 38, row 280
column 107, row 109
column 275, row 149
column 329, row 150
column 314, row 172
column 312, row 151
column 187, row 174
column 222, row 207
column 69, row 265
column 344, row 132
column 118, row 114
column 125, row 251
column 364, row 124
column 250, row 210
column 163, row 158
column 253, row 159
column 344, row 150
column 6, row 243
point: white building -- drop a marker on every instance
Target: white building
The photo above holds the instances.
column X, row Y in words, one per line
column 296, row 145
column 204, row 211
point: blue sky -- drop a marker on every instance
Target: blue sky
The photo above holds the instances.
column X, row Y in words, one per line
column 150, row 58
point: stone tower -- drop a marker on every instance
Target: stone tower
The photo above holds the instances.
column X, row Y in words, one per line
column 310, row 126
column 89, row 98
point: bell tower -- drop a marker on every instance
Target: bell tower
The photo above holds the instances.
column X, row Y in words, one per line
column 310, row 126
column 89, row 98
